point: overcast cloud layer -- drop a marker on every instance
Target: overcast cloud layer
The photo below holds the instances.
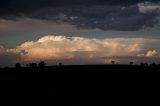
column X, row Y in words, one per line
column 123, row 15
column 75, row 50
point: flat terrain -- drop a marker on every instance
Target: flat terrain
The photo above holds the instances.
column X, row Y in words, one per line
column 73, row 83
column 83, row 68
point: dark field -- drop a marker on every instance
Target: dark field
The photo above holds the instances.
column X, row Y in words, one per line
column 82, row 69
column 77, row 83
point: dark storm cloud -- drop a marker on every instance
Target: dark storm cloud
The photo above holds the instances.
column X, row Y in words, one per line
column 113, row 18
column 101, row 14
column 26, row 6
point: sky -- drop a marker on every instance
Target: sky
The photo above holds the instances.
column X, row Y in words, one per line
column 79, row 31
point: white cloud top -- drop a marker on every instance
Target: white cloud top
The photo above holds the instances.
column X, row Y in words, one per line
column 150, row 53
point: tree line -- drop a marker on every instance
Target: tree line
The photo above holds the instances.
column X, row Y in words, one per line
column 43, row 64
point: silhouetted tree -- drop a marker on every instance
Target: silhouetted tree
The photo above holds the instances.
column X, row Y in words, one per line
column 131, row 63
column 42, row 64
column 6, row 67
column 113, row 62
column 144, row 64
column 27, row 65
column 18, row 65
column 153, row 64
column 60, row 64
column 33, row 65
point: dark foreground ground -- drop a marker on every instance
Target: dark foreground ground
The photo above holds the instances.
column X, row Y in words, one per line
column 80, row 83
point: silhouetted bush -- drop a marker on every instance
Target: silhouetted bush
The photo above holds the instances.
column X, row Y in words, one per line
column 42, row 64
column 18, row 65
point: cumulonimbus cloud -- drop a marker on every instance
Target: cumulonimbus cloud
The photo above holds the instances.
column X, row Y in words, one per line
column 75, row 49
column 61, row 47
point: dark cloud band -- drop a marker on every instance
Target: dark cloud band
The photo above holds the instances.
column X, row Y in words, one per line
column 102, row 14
